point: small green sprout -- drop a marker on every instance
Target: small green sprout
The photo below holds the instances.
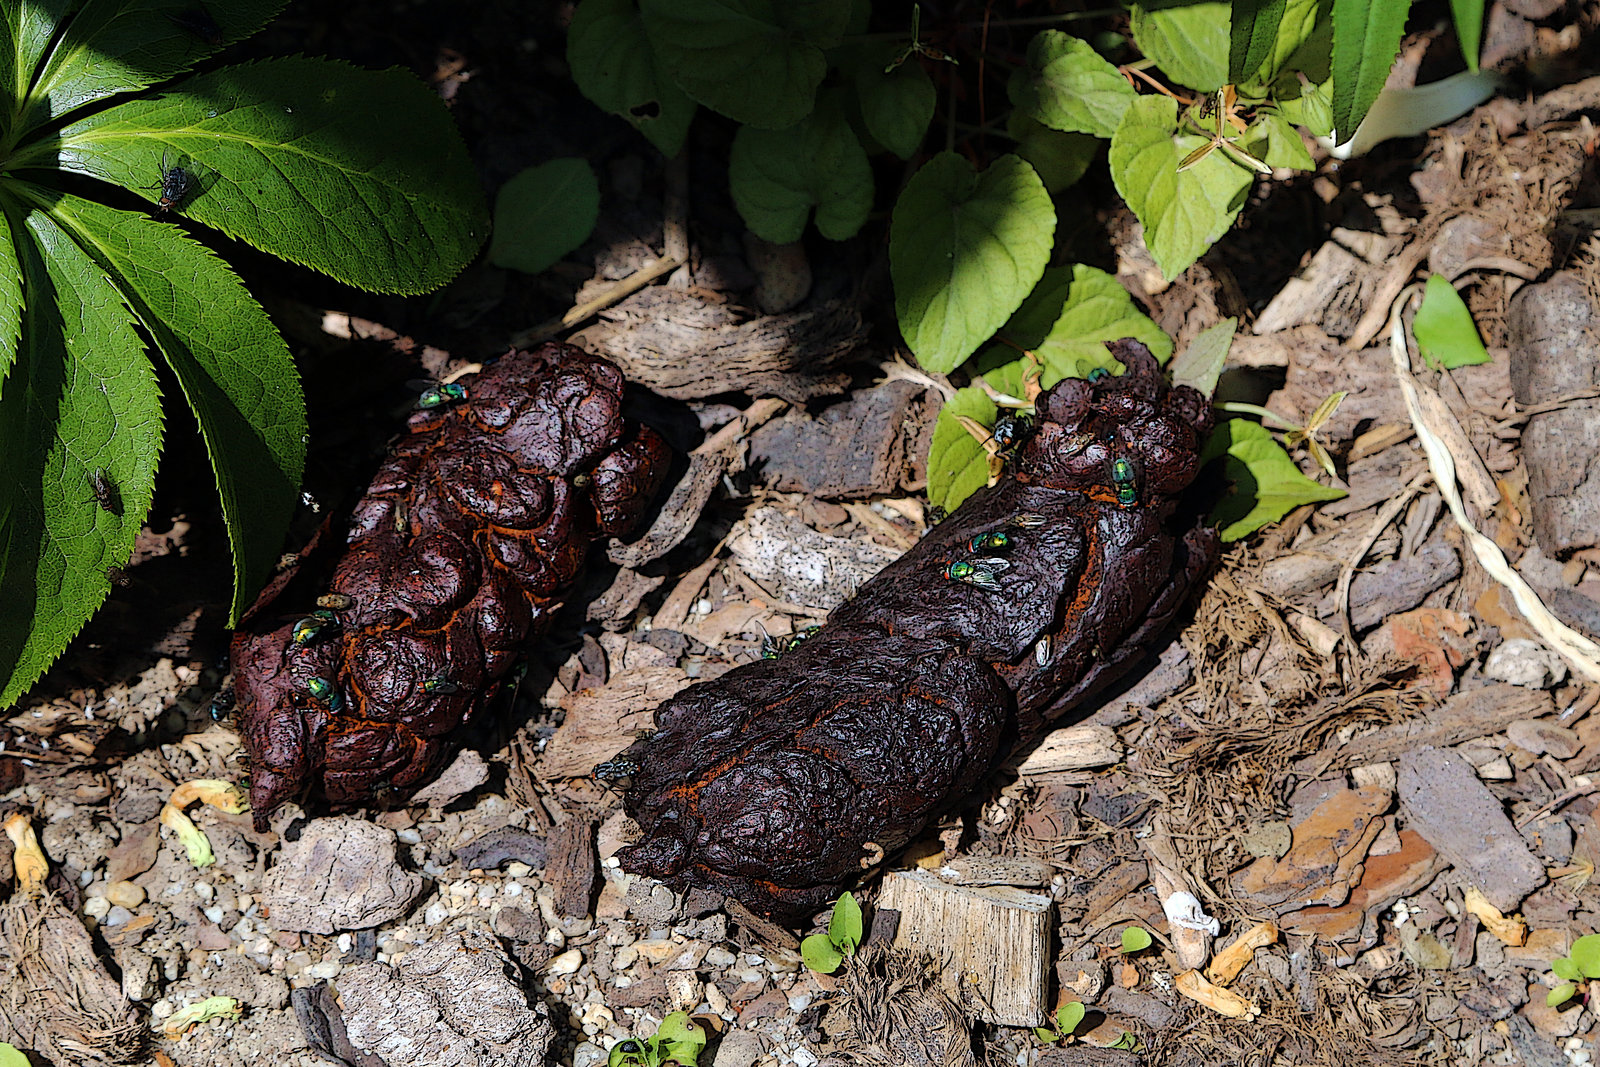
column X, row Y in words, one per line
column 10, row 1056
column 1135, row 939
column 1063, row 1023
column 1576, row 970
column 677, row 1040
column 824, row 953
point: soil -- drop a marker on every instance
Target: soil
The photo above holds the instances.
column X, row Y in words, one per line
column 1367, row 733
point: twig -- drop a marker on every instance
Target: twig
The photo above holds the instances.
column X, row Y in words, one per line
column 1386, row 515
column 613, row 293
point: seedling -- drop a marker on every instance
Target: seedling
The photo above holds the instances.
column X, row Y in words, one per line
column 1577, row 970
column 1135, row 939
column 677, row 1041
column 1062, row 1024
column 824, row 953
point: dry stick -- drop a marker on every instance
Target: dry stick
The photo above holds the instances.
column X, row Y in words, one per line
column 1386, row 515
column 675, row 215
column 611, row 295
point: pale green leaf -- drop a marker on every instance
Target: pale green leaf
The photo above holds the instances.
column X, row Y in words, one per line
column 358, row 174
column 1189, row 42
column 964, row 250
column 756, row 61
column 1185, row 213
column 614, row 65
column 844, row 926
column 957, row 464
column 1445, row 332
column 1200, row 365
column 1566, row 968
column 11, row 1057
column 1276, row 143
column 1311, row 107
column 776, row 177
column 1066, row 85
column 1069, row 1015
column 1266, row 483
column 818, row 953
column 1468, row 18
column 1586, row 954
column 1560, row 994
column 543, row 213
column 1135, row 939
column 26, row 32
column 680, row 1038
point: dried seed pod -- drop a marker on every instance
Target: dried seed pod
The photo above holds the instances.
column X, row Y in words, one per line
column 770, row 782
column 433, row 611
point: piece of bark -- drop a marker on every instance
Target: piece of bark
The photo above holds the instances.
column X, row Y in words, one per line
column 1072, row 749
column 1553, row 328
column 616, row 606
column 463, row 774
column 602, row 721
column 896, row 1012
column 862, row 447
column 801, row 565
column 1022, row 871
column 1331, row 290
column 317, row 1009
column 572, row 866
column 1325, row 858
column 1385, row 879
column 993, row 941
column 340, row 875
column 687, row 343
column 1475, row 713
column 1446, row 802
column 1396, row 585
column 496, row 848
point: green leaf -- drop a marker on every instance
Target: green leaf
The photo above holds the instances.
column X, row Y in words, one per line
column 1366, row 39
column 844, row 926
column 1066, row 322
column 1299, row 46
column 543, row 213
column 615, row 66
column 358, row 174
column 1048, row 1037
column 1059, row 158
column 1312, row 108
column 1560, row 994
column 1252, row 31
column 756, row 61
column 232, row 365
column 1183, row 213
column 1067, row 86
column 10, row 302
column 896, row 106
column 819, row 954
column 1445, row 332
column 964, row 249
column 80, row 398
column 1190, row 42
column 1266, row 483
column 1566, row 968
column 1276, row 143
column 777, row 176
column 26, row 32
column 118, row 46
column 1586, row 954
column 1069, row 1015
column 957, row 463
column 1135, row 939
column 10, row 1056
column 1200, row 365
column 681, row 1038
column 1468, row 18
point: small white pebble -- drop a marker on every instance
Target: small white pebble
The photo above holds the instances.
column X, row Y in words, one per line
column 485, row 895
column 117, row 916
column 324, row 970
column 518, row 869
column 702, row 606
column 409, row 836
column 513, row 889
column 1572, row 1044
column 162, row 1008
column 612, row 861
column 799, row 1002
column 566, row 963
column 96, row 907
column 213, row 913
column 804, row 1057
column 205, row 890
column 437, row 913
column 554, row 936
column 344, row 942
column 624, row 958
column 717, row 956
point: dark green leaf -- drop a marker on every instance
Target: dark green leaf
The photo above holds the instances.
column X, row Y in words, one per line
column 896, row 106
column 358, row 174
column 1366, row 39
column 755, row 61
column 118, row 46
column 1266, row 483
column 1468, row 17
column 964, row 250
column 1188, row 42
column 777, row 176
column 1299, row 46
column 10, row 301
column 26, row 31
column 1067, row 86
column 80, row 398
column 1445, row 332
column 614, row 65
column 1252, row 30
column 957, row 463
column 234, row 369
column 543, row 213
column 1059, row 158
column 818, row 953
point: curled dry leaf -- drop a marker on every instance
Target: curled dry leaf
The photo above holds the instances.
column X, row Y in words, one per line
column 1513, row 930
column 1222, row 1001
column 28, row 858
column 1231, row 960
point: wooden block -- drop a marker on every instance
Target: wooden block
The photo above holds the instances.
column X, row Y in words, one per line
column 992, row 943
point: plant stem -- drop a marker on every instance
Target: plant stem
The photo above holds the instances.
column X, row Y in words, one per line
column 1235, row 407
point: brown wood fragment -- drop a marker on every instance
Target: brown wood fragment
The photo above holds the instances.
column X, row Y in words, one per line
column 616, row 606
column 1475, row 713
column 572, row 866
column 1074, row 748
column 861, row 447
column 994, row 942
column 601, row 722
column 1231, row 960
column 1325, row 858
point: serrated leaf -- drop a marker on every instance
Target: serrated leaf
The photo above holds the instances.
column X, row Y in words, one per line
column 358, row 174
column 1252, row 29
column 1565, row 968
column 1585, row 953
column 81, row 398
column 818, row 953
column 844, row 925
column 957, row 464
column 1067, row 86
column 1276, row 143
column 118, row 46
column 26, row 31
column 1189, row 42
column 10, row 299
column 1066, row 322
column 1266, row 483
column 897, row 104
column 1200, row 365
column 1135, row 939
column 756, row 61
column 1183, row 213
column 964, row 250
column 614, row 65
column 776, row 177
column 543, row 213
column 1560, row 994
column 1060, row 159
column 1445, row 332
column 1468, row 18
column 1300, row 45
column 1366, row 39
column 235, row 371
